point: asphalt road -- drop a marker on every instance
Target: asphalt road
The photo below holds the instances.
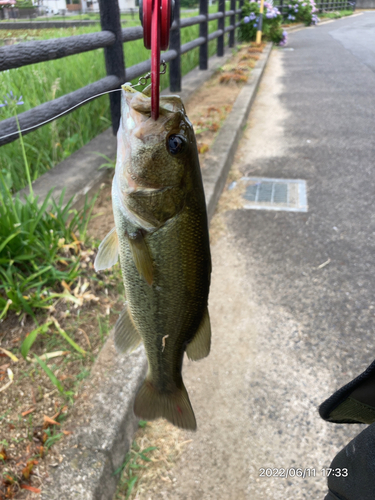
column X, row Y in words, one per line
column 287, row 333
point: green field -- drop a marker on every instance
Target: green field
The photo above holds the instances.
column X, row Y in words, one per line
column 42, row 82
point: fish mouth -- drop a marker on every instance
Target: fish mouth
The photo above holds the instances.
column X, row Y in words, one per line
column 136, row 114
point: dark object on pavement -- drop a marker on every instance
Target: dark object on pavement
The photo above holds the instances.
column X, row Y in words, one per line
column 354, row 403
column 353, row 469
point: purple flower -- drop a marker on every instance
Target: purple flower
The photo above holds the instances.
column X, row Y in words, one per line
column 252, row 16
column 10, row 98
column 246, row 19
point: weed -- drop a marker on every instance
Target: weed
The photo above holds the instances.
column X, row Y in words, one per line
column 38, row 249
column 56, row 382
column 104, row 327
column 131, row 464
column 52, row 438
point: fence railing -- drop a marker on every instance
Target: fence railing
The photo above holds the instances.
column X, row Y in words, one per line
column 322, row 6
column 111, row 38
column 37, row 15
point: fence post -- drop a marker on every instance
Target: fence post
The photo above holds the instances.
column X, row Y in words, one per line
column 233, row 23
column 203, row 32
column 220, row 26
column 240, row 6
column 175, row 44
column 114, row 55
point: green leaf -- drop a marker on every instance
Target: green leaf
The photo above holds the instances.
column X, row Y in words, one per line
column 4, row 244
column 30, row 339
column 122, row 467
column 52, row 440
column 68, row 339
column 131, row 484
column 56, row 382
column 150, row 448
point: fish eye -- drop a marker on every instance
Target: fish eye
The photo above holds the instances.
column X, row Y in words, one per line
column 175, row 144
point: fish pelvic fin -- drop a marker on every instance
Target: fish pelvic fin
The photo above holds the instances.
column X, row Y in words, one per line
column 127, row 337
column 141, row 257
column 173, row 406
column 107, row 255
column 200, row 346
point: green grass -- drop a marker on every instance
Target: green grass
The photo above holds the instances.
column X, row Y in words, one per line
column 39, row 248
column 335, row 14
column 136, row 459
column 42, row 82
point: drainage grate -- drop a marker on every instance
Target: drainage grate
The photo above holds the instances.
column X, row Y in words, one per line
column 262, row 193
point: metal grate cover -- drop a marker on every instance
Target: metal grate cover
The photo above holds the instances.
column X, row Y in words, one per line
column 262, row 193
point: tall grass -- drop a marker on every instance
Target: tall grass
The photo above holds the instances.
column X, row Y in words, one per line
column 41, row 82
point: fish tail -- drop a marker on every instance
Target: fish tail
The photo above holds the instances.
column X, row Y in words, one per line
column 173, row 406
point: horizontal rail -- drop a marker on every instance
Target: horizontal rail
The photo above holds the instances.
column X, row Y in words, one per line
column 192, row 45
column 228, row 28
column 215, row 34
column 143, row 67
column 130, row 34
column 190, row 21
column 23, row 54
column 32, row 118
column 216, row 15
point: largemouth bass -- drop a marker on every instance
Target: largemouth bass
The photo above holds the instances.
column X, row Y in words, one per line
column 161, row 237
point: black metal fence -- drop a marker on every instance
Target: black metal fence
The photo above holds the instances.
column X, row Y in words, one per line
column 111, row 38
column 36, row 15
column 322, row 6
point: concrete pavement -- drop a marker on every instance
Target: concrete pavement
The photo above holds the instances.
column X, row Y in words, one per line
column 286, row 332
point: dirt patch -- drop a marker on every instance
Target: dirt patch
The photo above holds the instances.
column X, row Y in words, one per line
column 211, row 104
column 36, row 409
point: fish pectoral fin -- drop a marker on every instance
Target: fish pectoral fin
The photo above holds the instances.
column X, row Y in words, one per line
column 200, row 346
column 141, row 257
column 127, row 337
column 108, row 252
column 174, row 406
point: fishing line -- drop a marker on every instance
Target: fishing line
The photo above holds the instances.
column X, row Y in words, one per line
column 142, row 81
column 60, row 114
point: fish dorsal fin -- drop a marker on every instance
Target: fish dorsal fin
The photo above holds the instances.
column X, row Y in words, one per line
column 141, row 256
column 200, row 346
column 127, row 337
column 108, row 252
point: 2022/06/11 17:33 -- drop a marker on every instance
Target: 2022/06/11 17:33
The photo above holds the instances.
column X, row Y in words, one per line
column 302, row 472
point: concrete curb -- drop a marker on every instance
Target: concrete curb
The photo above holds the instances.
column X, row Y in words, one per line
column 217, row 165
column 106, row 423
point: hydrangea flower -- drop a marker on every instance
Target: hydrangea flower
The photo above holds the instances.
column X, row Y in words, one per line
column 246, row 19
column 284, row 39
